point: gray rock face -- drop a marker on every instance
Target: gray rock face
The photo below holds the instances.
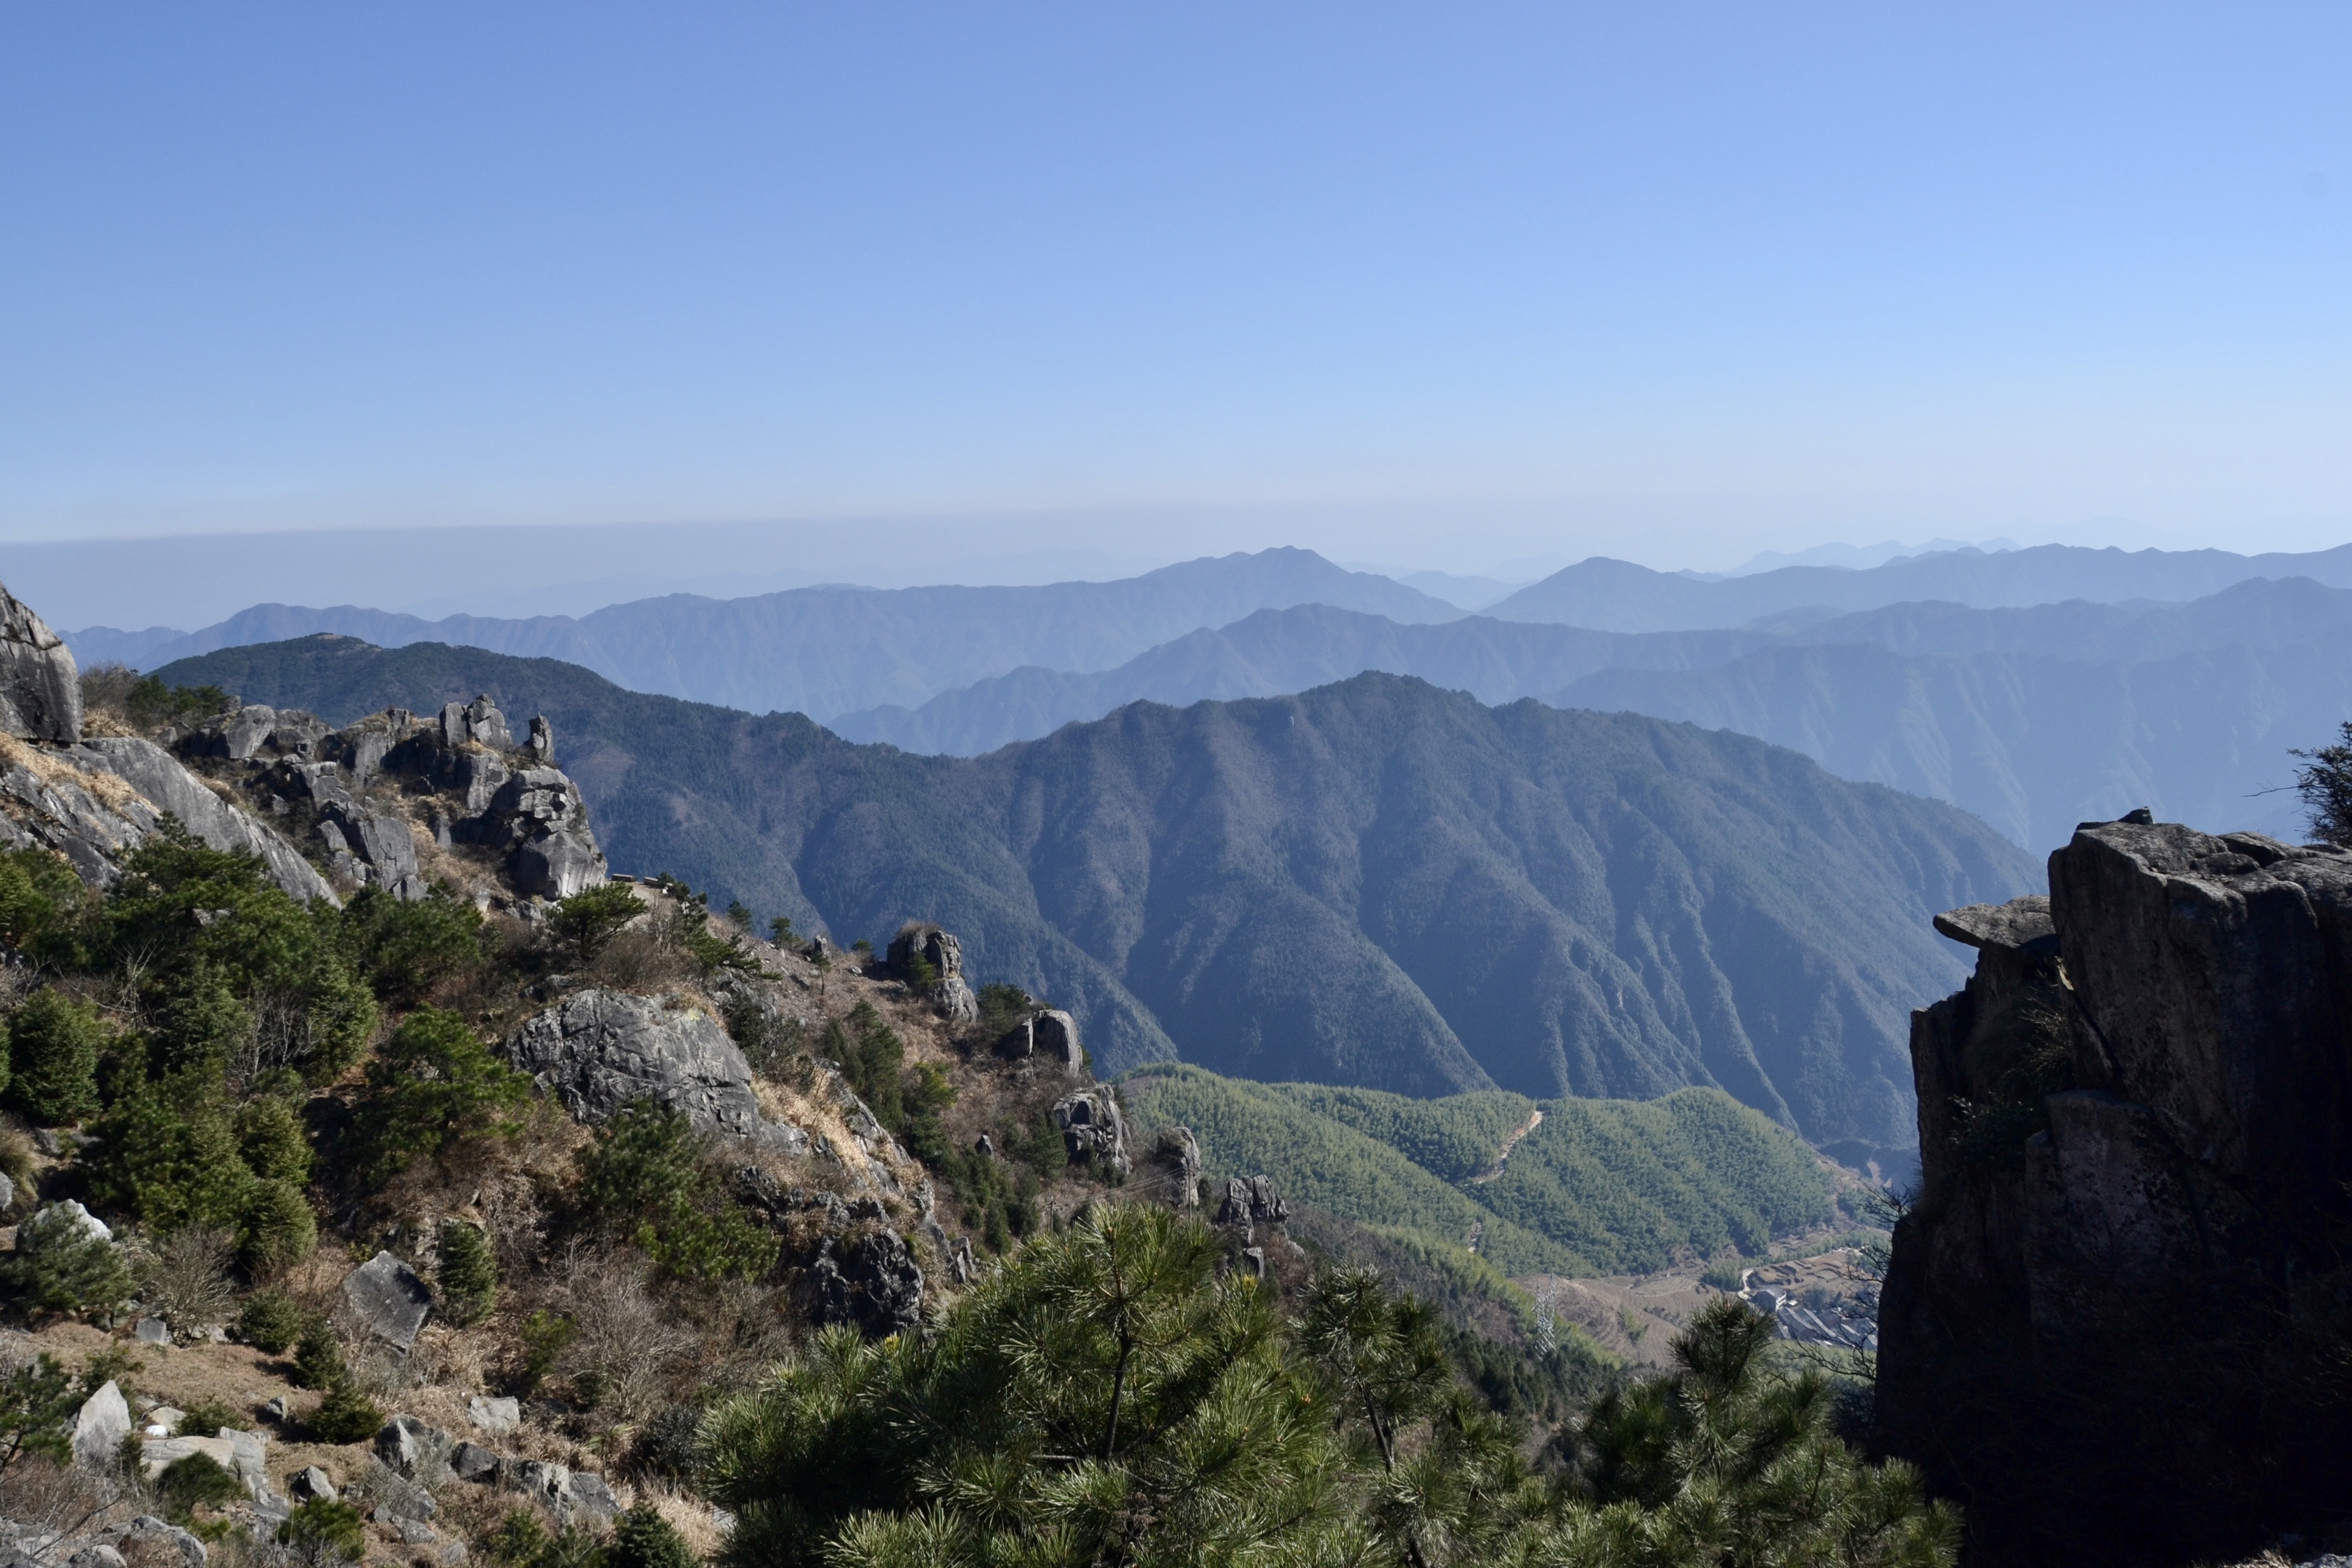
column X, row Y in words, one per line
column 596, row 1051
column 1176, row 1165
column 311, row 1483
column 94, row 836
column 2136, row 1128
column 100, row 1427
column 41, row 689
column 1093, row 1129
column 940, row 950
column 2020, row 925
column 556, row 865
column 496, row 1416
column 412, row 1449
column 1251, row 1202
column 472, row 1462
column 871, row 1282
column 542, row 744
column 575, row 1497
column 387, row 1300
column 1056, row 1037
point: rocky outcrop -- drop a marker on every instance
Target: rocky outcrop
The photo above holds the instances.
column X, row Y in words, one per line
column 1049, row 1033
column 2117, row 1316
column 41, row 689
column 363, row 844
column 1092, row 1131
column 96, row 801
column 869, row 1279
column 1251, row 1202
column 1175, row 1163
column 597, row 1050
column 100, row 1427
column 939, row 953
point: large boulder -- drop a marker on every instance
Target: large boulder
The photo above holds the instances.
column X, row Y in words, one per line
column 596, row 1051
column 1092, row 1131
column 387, row 1300
column 101, row 1425
column 1175, row 1166
column 2136, row 1138
column 41, row 689
column 937, row 951
column 1250, row 1202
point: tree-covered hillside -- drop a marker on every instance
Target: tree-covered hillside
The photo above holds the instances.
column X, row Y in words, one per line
column 1596, row 1188
column 1375, row 883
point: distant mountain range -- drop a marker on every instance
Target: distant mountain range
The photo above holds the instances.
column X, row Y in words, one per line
column 1618, row 596
column 1374, row 883
column 2034, row 719
column 824, row 651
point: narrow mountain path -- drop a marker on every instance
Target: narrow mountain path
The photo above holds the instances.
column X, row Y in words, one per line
column 1530, row 1125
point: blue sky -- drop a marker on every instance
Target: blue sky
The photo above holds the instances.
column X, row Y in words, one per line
column 1435, row 285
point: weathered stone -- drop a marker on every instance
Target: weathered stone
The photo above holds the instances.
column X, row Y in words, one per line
column 2128, row 1155
column 1092, row 1129
column 2020, row 925
column 243, row 732
column 410, row 1448
column 1251, row 1201
column 156, row 1454
column 101, row 1425
column 575, row 1499
column 387, row 1300
column 1056, row 1037
column 496, row 1416
column 41, row 689
column 597, row 1050
column 165, row 787
column 1176, row 1166
column 151, row 1331
column 542, row 744
column 871, row 1282
column 556, row 865
column 312, row 1484
column 276, row 1410
column 472, row 1462
column 98, row 1556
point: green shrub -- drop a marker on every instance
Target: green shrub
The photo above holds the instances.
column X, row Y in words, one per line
column 269, row 1136
column 434, row 1083
column 345, row 1415
column 647, row 1178
column 317, row 1355
column 270, row 1322
column 167, row 1152
column 408, row 947
column 275, row 1228
column 60, row 1265
column 780, row 931
column 1725, row 1274
column 185, row 1483
column 670, row 1444
column 204, row 1417
column 641, row 1538
column 469, row 1271
column 319, row 1531
column 42, row 904
column 53, row 1046
column 37, row 1405
column 590, row 918
column 545, row 1337
column 1001, row 1007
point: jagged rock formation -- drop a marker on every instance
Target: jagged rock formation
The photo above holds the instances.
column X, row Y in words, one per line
column 2118, row 1315
column 1093, row 1129
column 1049, row 1033
column 943, row 956
column 41, row 689
column 1251, row 1202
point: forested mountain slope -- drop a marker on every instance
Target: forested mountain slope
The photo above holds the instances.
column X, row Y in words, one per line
column 1373, row 883
column 829, row 650
column 1596, row 1187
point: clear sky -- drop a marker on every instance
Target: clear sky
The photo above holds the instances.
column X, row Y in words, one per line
column 1439, row 285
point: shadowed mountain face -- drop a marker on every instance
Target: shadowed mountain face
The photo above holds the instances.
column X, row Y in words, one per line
column 1374, row 883
column 1618, row 596
column 825, row 652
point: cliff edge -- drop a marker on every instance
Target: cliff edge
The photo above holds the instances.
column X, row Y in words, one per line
column 2117, row 1320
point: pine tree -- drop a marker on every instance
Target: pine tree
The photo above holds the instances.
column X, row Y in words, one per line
column 469, row 1273
column 53, row 1047
column 644, row 1538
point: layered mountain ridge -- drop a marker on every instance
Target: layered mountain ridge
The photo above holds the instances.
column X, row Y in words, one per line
column 1375, row 882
